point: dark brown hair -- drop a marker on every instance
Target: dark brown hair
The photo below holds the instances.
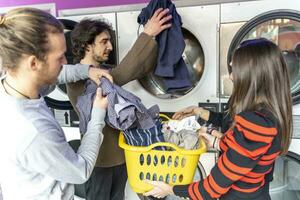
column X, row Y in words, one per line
column 261, row 79
column 85, row 33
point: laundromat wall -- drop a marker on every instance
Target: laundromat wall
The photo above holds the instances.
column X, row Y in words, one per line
column 69, row 4
column 73, row 4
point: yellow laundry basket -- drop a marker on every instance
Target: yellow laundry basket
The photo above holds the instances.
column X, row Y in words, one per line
column 176, row 167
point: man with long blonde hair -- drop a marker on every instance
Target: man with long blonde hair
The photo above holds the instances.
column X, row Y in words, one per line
column 36, row 160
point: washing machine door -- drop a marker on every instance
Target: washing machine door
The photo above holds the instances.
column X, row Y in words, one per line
column 286, row 182
column 193, row 57
column 58, row 99
column 283, row 28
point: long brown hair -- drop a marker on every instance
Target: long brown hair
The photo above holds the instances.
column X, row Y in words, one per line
column 261, row 79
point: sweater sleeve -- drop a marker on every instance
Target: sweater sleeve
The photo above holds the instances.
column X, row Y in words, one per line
column 249, row 140
column 51, row 155
column 215, row 118
column 68, row 74
column 139, row 61
column 73, row 73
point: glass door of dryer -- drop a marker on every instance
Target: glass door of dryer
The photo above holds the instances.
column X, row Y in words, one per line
column 280, row 26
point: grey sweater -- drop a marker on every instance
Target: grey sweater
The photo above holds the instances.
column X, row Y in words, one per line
column 37, row 163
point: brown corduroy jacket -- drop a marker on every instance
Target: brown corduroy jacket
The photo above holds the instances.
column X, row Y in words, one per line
column 139, row 61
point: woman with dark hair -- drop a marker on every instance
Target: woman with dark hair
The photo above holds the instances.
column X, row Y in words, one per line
column 261, row 107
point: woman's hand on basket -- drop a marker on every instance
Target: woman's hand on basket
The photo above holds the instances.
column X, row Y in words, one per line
column 210, row 130
column 160, row 189
column 189, row 111
column 210, row 140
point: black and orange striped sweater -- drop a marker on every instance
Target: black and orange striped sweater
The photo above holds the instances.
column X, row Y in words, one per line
column 245, row 166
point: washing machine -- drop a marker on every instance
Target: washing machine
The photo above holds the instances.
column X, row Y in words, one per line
column 200, row 34
column 286, row 183
column 278, row 21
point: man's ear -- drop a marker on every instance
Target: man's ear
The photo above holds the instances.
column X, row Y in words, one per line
column 32, row 63
column 88, row 48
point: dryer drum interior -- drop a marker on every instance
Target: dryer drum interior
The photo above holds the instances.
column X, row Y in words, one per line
column 283, row 28
column 193, row 56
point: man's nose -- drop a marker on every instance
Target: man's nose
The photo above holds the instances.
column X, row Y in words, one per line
column 109, row 46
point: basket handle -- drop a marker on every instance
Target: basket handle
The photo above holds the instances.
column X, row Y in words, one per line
column 178, row 149
column 164, row 117
column 123, row 145
column 163, row 144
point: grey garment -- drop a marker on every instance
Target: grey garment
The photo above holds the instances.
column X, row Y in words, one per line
column 68, row 74
column 131, row 113
column 36, row 160
column 84, row 107
column 73, row 73
column 185, row 139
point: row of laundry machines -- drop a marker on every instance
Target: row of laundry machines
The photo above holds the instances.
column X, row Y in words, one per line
column 211, row 30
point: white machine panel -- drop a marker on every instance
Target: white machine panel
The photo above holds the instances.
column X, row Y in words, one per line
column 243, row 11
column 202, row 22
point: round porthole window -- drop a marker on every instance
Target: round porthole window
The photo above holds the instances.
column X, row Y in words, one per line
column 193, row 57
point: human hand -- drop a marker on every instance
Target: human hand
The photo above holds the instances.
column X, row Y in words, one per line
column 212, row 131
column 100, row 101
column 160, row 190
column 186, row 112
column 157, row 23
column 95, row 74
column 216, row 133
column 210, row 140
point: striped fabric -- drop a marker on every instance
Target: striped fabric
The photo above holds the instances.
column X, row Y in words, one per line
column 145, row 137
column 248, row 154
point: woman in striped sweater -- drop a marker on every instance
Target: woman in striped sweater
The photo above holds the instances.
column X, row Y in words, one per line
column 261, row 107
